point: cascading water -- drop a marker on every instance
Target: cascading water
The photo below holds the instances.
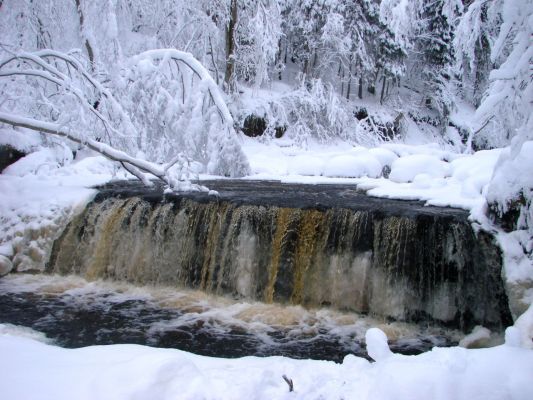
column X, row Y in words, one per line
column 296, row 244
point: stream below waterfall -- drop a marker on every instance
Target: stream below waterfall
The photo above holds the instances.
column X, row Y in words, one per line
column 73, row 313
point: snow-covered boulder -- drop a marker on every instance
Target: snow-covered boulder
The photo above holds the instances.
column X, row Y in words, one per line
column 5, row 265
column 405, row 169
column 9, row 155
column 478, row 338
column 306, row 165
column 509, row 192
column 510, row 199
column 384, row 156
column 376, row 344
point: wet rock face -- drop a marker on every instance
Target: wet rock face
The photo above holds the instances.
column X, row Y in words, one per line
column 255, row 125
column 9, row 155
column 310, row 245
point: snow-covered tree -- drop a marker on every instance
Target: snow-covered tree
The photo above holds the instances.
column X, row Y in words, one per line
column 506, row 105
column 474, row 38
column 437, row 21
column 37, row 25
column 257, row 39
column 398, row 16
column 305, row 20
column 363, row 29
column 177, row 106
column 396, row 39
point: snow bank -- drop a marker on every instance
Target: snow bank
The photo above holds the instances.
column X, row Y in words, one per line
column 352, row 166
column 39, row 194
column 510, row 196
column 137, row 372
column 24, row 142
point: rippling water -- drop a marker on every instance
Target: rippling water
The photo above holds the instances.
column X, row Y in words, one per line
column 75, row 313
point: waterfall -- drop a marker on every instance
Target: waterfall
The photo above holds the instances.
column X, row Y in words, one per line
column 409, row 265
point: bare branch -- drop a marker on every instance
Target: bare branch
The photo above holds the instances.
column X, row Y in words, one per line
column 289, row 382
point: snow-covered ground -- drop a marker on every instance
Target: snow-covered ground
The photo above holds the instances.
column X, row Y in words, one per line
column 40, row 192
column 35, row 370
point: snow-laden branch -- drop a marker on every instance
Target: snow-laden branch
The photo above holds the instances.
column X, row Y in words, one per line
column 163, row 103
column 102, row 148
column 163, row 56
column 45, row 60
column 136, row 166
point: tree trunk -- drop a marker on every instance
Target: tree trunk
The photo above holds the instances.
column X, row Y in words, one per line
column 230, row 47
column 88, row 47
column 382, row 96
column 213, row 60
column 348, row 89
column 360, row 92
column 315, row 60
column 341, row 76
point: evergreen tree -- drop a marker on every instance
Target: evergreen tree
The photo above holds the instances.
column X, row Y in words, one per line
column 362, row 28
column 435, row 43
column 505, row 110
column 305, row 23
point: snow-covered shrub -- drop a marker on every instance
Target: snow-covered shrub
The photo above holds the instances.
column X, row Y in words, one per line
column 314, row 111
